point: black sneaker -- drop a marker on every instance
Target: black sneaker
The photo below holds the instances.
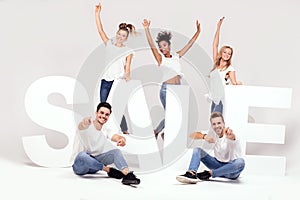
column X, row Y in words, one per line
column 205, row 175
column 114, row 173
column 188, row 177
column 130, row 179
column 155, row 134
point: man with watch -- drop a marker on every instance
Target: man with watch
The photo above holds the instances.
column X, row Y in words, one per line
column 227, row 161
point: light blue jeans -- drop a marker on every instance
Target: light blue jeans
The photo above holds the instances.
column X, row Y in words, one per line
column 84, row 163
column 216, row 107
column 231, row 170
column 162, row 95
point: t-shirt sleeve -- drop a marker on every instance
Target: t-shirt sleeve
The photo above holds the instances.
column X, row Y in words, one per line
column 128, row 51
column 108, row 132
column 131, row 51
column 204, row 132
column 109, row 43
column 230, row 69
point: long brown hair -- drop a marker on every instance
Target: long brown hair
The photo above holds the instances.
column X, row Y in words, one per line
column 219, row 57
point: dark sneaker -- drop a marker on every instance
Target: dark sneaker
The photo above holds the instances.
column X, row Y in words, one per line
column 155, row 134
column 188, row 177
column 204, row 175
column 130, row 179
column 114, row 173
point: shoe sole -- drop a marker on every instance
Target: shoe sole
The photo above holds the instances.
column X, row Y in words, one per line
column 184, row 179
column 131, row 182
column 204, row 179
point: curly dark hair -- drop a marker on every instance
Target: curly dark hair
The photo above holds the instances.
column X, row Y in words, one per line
column 164, row 36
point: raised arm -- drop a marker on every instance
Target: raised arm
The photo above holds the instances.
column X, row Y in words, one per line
column 85, row 123
column 191, row 42
column 157, row 56
column 99, row 24
column 216, row 39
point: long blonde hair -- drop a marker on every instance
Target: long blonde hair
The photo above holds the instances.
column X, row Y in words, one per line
column 219, row 57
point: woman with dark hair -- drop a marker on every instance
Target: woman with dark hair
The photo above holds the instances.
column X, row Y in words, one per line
column 121, row 56
column 222, row 73
column 166, row 59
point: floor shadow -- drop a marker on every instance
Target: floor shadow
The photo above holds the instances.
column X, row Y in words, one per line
column 225, row 180
column 93, row 176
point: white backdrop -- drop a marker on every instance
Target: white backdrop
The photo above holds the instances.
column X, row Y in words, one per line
column 41, row 38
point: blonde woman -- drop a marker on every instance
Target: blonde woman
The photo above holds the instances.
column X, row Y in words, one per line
column 222, row 73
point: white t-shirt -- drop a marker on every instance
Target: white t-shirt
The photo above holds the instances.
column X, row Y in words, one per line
column 217, row 83
column 92, row 141
column 171, row 67
column 225, row 150
column 115, row 60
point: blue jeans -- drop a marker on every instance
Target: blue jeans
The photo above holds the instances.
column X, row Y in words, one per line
column 231, row 170
column 105, row 89
column 104, row 92
column 216, row 107
column 162, row 95
column 84, row 163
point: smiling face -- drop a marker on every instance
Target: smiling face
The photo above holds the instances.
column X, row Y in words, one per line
column 226, row 54
column 102, row 115
column 164, row 47
column 121, row 36
column 217, row 125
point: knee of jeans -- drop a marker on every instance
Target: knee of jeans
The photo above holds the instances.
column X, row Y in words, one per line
column 240, row 163
column 117, row 151
column 78, row 167
column 80, row 158
column 196, row 150
column 81, row 154
column 75, row 169
column 199, row 152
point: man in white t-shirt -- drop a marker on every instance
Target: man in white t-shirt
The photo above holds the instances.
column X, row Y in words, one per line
column 89, row 148
column 228, row 161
